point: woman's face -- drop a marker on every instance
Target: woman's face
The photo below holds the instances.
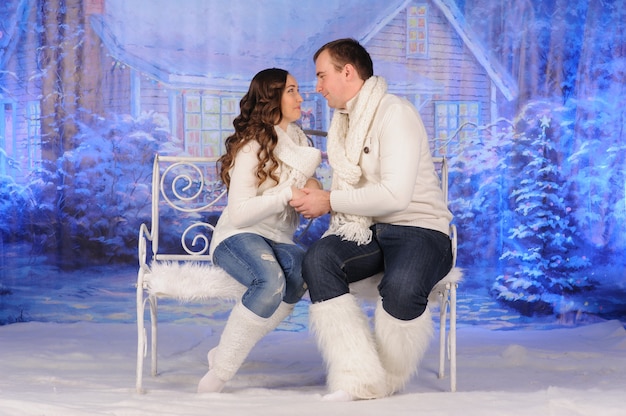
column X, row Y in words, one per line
column 290, row 103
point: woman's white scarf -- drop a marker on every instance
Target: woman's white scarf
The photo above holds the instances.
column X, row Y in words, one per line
column 346, row 137
column 298, row 162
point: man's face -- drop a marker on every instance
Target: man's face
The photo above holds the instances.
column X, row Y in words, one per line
column 331, row 83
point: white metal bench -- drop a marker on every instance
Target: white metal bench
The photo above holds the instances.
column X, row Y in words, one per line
column 185, row 190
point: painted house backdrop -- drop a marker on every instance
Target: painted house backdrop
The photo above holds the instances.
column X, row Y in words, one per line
column 526, row 99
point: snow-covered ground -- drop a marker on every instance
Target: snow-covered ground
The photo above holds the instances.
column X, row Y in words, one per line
column 88, row 368
column 82, row 361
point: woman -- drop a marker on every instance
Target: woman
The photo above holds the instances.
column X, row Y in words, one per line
column 267, row 161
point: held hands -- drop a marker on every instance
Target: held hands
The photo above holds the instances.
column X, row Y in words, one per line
column 311, row 183
column 310, row 202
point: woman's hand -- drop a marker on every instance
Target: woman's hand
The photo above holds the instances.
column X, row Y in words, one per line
column 313, row 183
column 296, row 193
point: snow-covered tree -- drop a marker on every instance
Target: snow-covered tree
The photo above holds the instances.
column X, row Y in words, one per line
column 541, row 256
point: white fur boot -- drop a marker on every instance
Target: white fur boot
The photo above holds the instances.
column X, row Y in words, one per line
column 347, row 345
column 279, row 315
column 401, row 345
column 243, row 330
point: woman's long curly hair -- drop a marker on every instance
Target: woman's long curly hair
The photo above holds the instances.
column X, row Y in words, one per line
column 259, row 113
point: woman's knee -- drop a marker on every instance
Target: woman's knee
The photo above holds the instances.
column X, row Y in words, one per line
column 295, row 288
column 263, row 305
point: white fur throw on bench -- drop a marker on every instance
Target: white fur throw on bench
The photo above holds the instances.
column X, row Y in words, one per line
column 197, row 281
column 192, row 281
column 368, row 288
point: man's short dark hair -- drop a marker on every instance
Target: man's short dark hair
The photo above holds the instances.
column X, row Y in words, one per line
column 348, row 51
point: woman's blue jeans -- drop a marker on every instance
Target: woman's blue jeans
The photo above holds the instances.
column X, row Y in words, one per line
column 271, row 271
column 413, row 259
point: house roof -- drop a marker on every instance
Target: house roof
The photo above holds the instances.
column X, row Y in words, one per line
column 186, row 44
column 495, row 70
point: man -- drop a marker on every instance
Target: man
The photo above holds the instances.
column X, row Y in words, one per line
column 387, row 214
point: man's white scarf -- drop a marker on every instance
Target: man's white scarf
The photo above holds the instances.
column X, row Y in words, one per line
column 298, row 162
column 346, row 137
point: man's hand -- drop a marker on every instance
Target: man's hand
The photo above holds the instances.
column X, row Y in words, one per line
column 311, row 203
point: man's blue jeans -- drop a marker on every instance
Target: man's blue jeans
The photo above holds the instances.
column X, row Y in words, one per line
column 413, row 259
column 271, row 271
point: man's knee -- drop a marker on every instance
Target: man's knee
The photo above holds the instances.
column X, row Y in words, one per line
column 318, row 253
column 403, row 303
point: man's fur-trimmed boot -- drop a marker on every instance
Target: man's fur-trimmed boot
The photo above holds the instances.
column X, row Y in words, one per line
column 347, row 345
column 401, row 345
column 242, row 331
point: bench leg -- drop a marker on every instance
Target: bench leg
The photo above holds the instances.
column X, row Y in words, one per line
column 447, row 344
column 443, row 305
column 153, row 334
column 453, row 287
column 141, row 335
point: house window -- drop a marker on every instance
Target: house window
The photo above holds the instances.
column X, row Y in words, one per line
column 208, row 120
column 454, row 122
column 4, row 143
column 9, row 156
column 33, row 131
column 417, row 31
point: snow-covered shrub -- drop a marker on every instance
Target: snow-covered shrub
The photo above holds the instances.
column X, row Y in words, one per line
column 15, row 200
column 91, row 208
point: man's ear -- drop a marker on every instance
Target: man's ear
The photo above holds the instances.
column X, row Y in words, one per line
column 350, row 72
